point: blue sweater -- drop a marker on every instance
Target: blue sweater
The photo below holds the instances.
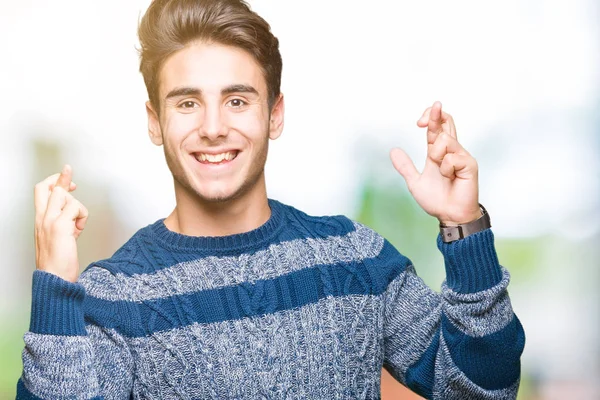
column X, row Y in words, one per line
column 302, row 308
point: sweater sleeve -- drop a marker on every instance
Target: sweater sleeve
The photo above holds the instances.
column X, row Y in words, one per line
column 64, row 358
column 462, row 343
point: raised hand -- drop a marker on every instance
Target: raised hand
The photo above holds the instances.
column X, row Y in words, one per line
column 59, row 220
column 448, row 187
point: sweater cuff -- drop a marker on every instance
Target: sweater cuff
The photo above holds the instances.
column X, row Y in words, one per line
column 56, row 306
column 471, row 263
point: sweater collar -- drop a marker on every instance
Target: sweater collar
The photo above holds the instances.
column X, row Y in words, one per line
column 169, row 239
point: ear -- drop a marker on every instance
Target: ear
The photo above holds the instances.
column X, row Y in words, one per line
column 154, row 130
column 276, row 122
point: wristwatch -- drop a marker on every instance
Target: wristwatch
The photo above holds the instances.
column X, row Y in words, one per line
column 453, row 233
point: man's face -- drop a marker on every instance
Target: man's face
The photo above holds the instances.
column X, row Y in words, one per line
column 214, row 121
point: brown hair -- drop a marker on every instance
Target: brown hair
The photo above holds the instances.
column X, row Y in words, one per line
column 169, row 25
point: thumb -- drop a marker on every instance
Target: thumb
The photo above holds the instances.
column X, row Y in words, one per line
column 404, row 166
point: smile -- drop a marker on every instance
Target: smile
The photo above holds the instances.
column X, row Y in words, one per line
column 206, row 158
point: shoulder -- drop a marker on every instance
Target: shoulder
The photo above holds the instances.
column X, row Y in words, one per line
column 313, row 225
column 323, row 226
column 354, row 246
column 354, row 234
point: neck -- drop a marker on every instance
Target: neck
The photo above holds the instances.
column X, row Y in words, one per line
column 196, row 217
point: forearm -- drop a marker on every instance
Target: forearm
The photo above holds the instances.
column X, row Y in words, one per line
column 469, row 341
column 62, row 358
column 480, row 334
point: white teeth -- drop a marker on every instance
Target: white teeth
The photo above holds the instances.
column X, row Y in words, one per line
column 215, row 158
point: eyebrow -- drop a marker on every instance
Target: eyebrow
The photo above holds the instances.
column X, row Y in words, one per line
column 239, row 89
column 183, row 91
column 191, row 91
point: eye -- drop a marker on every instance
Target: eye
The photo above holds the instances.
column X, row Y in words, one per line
column 188, row 104
column 236, row 103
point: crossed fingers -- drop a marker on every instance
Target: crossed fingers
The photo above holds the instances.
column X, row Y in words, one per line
column 437, row 121
column 443, row 147
column 53, row 200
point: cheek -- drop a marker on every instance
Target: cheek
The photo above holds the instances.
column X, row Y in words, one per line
column 250, row 124
column 178, row 127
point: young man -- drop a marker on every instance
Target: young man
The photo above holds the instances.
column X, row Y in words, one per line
column 234, row 295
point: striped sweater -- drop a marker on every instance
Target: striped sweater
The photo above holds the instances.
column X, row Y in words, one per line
column 302, row 307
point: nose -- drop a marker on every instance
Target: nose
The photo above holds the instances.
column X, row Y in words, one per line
column 212, row 125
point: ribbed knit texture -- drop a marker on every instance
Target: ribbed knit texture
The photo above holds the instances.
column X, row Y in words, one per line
column 465, row 259
column 56, row 306
column 302, row 307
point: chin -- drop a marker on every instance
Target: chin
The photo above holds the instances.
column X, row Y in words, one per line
column 217, row 195
column 216, row 198
column 220, row 192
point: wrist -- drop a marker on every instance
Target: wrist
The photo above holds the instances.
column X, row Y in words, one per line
column 467, row 219
column 453, row 232
column 64, row 275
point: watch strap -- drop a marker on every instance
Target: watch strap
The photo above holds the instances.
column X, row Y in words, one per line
column 453, row 233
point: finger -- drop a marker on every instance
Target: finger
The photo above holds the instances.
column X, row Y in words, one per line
column 404, row 166
column 448, row 121
column 82, row 218
column 64, row 180
column 448, row 165
column 80, row 223
column 443, row 145
column 76, row 212
column 57, row 201
column 424, row 120
column 448, row 125
column 41, row 194
column 435, row 119
column 456, row 165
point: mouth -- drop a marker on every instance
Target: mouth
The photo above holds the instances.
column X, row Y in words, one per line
column 216, row 158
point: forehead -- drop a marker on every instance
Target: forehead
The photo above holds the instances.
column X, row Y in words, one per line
column 210, row 67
